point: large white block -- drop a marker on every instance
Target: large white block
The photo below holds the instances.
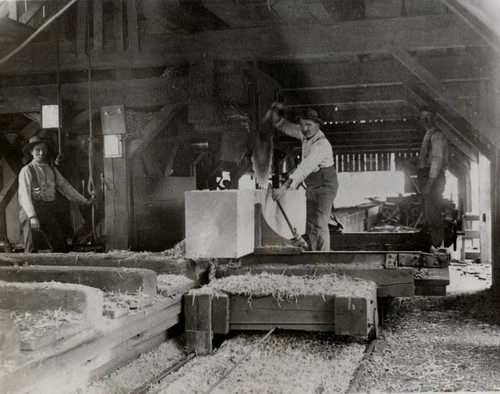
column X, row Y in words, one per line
column 294, row 205
column 219, row 224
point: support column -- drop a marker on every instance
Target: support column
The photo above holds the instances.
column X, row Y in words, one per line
column 116, row 179
column 495, row 217
column 485, row 186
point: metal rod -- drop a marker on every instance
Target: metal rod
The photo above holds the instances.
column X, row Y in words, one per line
column 286, row 217
column 145, row 387
column 241, row 360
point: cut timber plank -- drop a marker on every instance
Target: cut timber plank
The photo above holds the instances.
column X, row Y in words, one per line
column 220, row 314
column 41, row 296
column 159, row 264
column 198, row 323
column 355, row 316
column 423, row 290
column 129, row 280
column 310, row 313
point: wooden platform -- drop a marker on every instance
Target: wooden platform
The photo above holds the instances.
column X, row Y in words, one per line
column 206, row 315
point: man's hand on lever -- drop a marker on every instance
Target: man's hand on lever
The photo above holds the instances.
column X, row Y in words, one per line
column 275, row 113
column 277, row 193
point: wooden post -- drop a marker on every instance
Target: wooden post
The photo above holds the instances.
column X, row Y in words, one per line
column 116, row 176
column 98, row 25
column 132, row 26
column 198, row 323
column 81, row 27
column 495, row 198
column 485, row 208
column 118, row 24
column 201, row 103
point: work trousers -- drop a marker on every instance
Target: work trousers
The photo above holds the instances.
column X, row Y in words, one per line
column 433, row 208
column 319, row 208
column 51, row 234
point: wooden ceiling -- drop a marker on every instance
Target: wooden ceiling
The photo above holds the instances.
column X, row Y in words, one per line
column 366, row 65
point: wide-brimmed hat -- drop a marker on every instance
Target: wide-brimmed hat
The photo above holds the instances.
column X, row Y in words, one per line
column 311, row 114
column 35, row 141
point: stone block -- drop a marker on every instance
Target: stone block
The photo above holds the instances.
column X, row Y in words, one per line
column 42, row 296
column 294, row 205
column 219, row 224
column 129, row 280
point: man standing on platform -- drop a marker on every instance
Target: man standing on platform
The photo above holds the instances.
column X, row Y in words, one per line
column 316, row 170
column 39, row 216
column 433, row 161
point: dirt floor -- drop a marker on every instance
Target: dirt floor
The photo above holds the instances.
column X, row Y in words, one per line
column 428, row 344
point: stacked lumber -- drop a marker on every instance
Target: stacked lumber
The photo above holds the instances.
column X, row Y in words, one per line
column 335, row 303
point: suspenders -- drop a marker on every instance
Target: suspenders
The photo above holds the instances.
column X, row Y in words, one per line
column 35, row 184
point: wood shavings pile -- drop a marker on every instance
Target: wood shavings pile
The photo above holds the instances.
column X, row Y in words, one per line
column 138, row 372
column 286, row 363
column 36, row 324
column 173, row 284
column 283, row 287
column 431, row 345
column 177, row 251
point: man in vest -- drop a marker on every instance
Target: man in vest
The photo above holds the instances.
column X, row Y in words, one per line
column 316, row 170
column 433, row 161
column 38, row 182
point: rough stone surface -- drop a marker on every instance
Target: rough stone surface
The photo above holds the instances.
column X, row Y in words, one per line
column 220, row 224
column 129, row 280
column 41, row 296
column 294, row 205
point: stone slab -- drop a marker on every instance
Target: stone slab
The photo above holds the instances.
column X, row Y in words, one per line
column 131, row 280
column 219, row 224
column 42, row 296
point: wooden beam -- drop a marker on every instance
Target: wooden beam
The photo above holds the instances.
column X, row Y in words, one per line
column 475, row 18
column 10, row 155
column 27, row 15
column 118, row 24
column 201, row 103
column 368, row 93
column 159, row 121
column 13, row 12
column 81, row 27
column 98, row 25
column 262, row 44
column 495, row 222
column 7, row 193
column 4, row 9
column 132, row 26
column 148, row 92
column 435, row 85
column 460, row 133
column 29, row 130
column 378, row 70
column 117, row 205
column 34, row 116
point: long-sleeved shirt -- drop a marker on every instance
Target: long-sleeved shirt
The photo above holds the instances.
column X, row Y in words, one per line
column 316, row 152
column 434, row 152
column 48, row 186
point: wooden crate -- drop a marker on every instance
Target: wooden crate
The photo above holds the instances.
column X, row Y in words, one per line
column 207, row 315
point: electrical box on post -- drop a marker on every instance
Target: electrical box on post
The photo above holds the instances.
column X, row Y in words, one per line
column 50, row 116
column 113, row 127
